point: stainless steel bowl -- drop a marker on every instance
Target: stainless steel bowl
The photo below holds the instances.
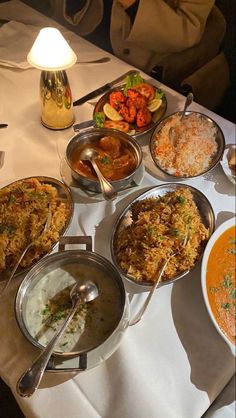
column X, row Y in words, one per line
column 125, row 219
column 219, row 138
column 64, row 193
column 57, row 273
column 88, row 137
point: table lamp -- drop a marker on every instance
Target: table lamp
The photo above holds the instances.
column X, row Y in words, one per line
column 52, row 54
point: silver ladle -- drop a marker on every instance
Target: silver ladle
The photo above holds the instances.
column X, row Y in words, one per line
column 108, row 191
column 30, row 380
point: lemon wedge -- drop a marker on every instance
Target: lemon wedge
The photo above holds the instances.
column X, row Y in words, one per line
column 111, row 113
column 154, row 104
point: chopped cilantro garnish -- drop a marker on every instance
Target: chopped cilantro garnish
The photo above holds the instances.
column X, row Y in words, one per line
column 151, row 230
column 45, row 311
column 214, row 289
column 105, row 160
column 231, row 251
column 225, row 305
column 233, row 293
column 232, row 240
column 180, row 199
column 175, row 232
column 227, row 281
column 10, row 229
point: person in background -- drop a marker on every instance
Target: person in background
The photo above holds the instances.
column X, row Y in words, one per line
column 140, row 32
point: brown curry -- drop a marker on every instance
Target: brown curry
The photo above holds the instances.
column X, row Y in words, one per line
column 115, row 159
column 220, row 280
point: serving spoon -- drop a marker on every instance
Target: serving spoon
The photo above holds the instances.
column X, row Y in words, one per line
column 187, row 103
column 46, row 227
column 172, row 131
column 156, row 282
column 30, row 380
column 108, row 191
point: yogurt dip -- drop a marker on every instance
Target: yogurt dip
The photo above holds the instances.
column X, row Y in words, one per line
column 48, row 304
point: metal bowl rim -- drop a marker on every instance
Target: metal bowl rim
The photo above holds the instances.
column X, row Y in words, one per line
column 188, row 112
column 53, row 180
column 129, row 138
column 145, row 284
column 32, row 274
column 213, row 239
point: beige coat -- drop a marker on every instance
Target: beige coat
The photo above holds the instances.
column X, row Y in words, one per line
column 158, row 29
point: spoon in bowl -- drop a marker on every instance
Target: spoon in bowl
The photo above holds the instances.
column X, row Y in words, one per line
column 30, row 380
column 108, row 191
column 187, row 103
column 173, row 131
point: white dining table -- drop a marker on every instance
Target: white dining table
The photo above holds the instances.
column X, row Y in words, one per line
column 173, row 364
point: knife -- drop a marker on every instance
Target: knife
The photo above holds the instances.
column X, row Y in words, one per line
column 102, row 89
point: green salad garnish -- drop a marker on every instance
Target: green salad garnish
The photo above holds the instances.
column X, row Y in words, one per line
column 99, row 118
column 131, row 81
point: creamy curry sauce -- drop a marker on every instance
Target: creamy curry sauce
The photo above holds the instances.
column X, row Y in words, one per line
column 49, row 303
column 220, row 279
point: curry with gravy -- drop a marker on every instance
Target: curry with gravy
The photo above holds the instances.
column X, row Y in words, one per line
column 115, row 159
column 220, row 280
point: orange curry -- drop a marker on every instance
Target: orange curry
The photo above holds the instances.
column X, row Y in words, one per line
column 115, row 159
column 220, row 279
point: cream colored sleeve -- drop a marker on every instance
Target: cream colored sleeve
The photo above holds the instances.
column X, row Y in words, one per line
column 158, row 27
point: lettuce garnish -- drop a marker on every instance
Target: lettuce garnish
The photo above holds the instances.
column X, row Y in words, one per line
column 99, row 118
column 131, row 81
column 159, row 94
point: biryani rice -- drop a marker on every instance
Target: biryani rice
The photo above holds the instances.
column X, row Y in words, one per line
column 158, row 229
column 185, row 147
column 23, row 213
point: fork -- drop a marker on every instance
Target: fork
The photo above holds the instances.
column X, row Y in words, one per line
column 31, row 244
column 157, row 280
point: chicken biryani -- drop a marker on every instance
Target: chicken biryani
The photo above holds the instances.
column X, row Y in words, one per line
column 158, row 229
column 24, row 207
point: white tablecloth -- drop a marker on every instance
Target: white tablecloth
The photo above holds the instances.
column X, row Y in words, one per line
column 173, row 364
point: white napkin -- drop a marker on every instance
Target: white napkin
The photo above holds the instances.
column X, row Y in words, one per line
column 16, row 40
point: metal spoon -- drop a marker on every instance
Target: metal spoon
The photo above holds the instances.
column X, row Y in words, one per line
column 173, row 133
column 156, row 282
column 187, row 103
column 46, row 227
column 108, row 191
column 30, row 380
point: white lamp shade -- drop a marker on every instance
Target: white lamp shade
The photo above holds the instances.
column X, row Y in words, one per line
column 51, row 52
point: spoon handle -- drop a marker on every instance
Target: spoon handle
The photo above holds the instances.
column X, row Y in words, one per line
column 108, row 190
column 30, row 380
column 188, row 102
column 15, row 268
column 140, row 314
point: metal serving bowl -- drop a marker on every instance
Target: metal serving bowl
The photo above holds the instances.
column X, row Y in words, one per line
column 125, row 219
column 89, row 137
column 219, row 138
column 139, row 132
column 64, row 194
column 55, row 274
